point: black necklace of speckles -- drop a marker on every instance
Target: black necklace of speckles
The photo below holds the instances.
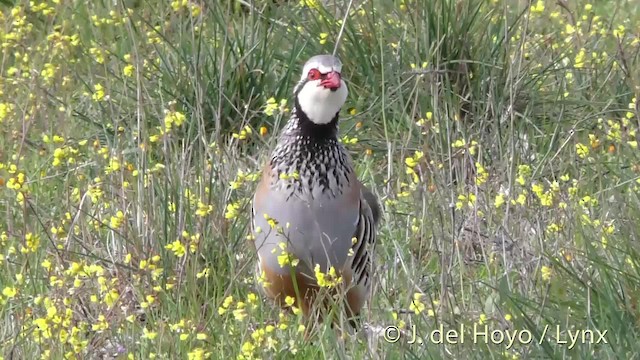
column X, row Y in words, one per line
column 313, row 151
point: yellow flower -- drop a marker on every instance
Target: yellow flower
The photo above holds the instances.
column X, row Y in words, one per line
column 499, row 201
column 101, row 324
column 146, row 334
column 553, row 228
column 285, row 258
column 204, row 209
column 32, row 242
column 46, row 264
column 569, row 29
column 233, row 210
column 203, row 274
column 5, row 110
column 579, row 60
column 538, row 7
column 247, row 349
column 244, row 133
column 48, row 72
column 351, row 141
column 330, row 279
column 521, row 199
column 177, row 247
column 582, row 150
column 98, row 93
column 546, row 273
column 619, row 32
column 197, row 354
column 417, row 306
column 482, row 175
column 117, row 220
column 289, row 301
column 195, row 10
column 459, row 143
column 128, row 70
column 9, row 292
column 323, row 38
column 173, row 118
column 239, row 314
column 270, row 107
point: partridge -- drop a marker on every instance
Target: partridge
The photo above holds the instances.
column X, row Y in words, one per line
column 311, row 215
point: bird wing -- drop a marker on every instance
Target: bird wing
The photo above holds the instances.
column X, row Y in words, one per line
column 364, row 239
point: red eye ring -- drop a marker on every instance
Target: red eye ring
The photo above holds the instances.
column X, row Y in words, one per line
column 314, row 74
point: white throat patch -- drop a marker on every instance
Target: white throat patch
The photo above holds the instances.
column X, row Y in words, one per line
column 320, row 104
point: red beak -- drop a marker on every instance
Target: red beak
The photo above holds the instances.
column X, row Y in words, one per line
column 331, row 81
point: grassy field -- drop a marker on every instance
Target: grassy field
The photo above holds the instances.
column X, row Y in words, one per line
column 500, row 136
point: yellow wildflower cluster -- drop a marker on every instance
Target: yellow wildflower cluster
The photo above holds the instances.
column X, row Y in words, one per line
column 481, row 174
column 545, row 197
column 538, row 7
column 6, row 110
column 417, row 306
column 582, row 150
column 204, row 209
column 226, row 305
column 244, row 134
column 471, row 146
column 242, row 177
column 413, row 163
column 180, row 5
column 272, row 106
column 469, row 200
column 546, row 273
column 64, row 154
column 17, row 182
column 322, row 39
column 285, row 258
column 330, row 279
column 172, row 118
column 292, row 176
column 233, row 210
column 113, row 165
column 128, row 69
column 31, row 243
column 117, row 220
column 98, row 93
column 348, row 140
column 177, row 248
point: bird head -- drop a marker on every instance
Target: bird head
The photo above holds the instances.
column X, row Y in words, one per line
column 321, row 91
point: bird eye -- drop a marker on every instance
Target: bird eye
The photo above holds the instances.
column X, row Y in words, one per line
column 314, row 74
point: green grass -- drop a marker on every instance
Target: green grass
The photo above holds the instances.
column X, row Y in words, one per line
column 499, row 136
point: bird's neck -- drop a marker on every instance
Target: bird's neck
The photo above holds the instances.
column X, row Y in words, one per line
column 313, row 153
column 300, row 125
column 302, row 140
